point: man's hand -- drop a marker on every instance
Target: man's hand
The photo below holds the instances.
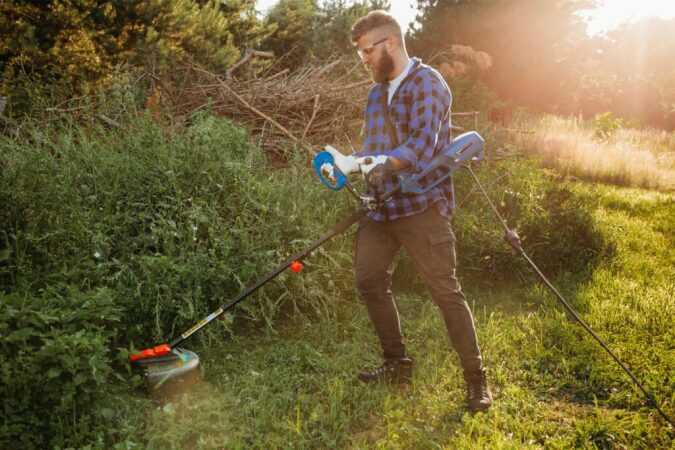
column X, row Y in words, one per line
column 375, row 168
column 346, row 164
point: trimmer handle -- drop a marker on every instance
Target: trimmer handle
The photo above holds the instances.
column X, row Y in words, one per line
column 465, row 147
column 320, row 160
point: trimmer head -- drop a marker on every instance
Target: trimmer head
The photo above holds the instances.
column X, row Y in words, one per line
column 167, row 371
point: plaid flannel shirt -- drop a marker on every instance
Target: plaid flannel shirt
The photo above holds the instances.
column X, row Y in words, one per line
column 420, row 115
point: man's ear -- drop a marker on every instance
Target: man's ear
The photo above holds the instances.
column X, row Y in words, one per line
column 391, row 44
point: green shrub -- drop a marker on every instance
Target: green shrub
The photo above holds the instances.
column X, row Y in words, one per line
column 86, row 39
column 555, row 225
column 54, row 365
column 606, row 125
column 175, row 219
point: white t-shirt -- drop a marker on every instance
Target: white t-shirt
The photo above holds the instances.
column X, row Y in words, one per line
column 393, row 84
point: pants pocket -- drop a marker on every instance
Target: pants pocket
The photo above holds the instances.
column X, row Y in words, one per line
column 442, row 252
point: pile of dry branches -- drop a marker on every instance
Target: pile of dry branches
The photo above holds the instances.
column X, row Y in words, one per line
column 311, row 107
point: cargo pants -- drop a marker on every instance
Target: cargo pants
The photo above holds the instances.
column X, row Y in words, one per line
column 429, row 241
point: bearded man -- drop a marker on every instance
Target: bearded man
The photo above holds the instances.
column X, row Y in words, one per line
column 407, row 124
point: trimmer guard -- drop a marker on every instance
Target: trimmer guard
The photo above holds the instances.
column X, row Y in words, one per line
column 171, row 372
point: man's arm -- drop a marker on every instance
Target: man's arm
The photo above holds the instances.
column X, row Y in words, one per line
column 431, row 103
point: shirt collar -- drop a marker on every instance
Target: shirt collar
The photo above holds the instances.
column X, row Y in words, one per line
column 392, row 86
column 396, row 81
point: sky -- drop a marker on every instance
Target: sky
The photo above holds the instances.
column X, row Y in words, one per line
column 608, row 15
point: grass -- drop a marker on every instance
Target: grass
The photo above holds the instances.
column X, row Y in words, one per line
column 294, row 385
column 628, row 157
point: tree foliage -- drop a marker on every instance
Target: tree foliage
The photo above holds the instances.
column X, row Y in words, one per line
column 544, row 60
column 306, row 30
column 73, row 40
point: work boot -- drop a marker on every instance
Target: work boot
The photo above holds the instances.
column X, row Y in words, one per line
column 478, row 395
column 398, row 370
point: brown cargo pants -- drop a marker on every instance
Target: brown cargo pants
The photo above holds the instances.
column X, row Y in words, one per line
column 427, row 237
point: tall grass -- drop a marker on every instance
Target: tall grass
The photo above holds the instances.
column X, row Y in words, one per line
column 627, row 157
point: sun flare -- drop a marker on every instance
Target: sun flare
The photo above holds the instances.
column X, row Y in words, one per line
column 610, row 14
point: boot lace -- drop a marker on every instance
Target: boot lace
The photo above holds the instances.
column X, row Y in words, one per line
column 477, row 390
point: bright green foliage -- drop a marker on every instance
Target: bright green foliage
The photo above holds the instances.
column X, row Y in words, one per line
column 55, row 366
column 72, row 40
column 174, row 220
column 606, row 125
column 292, row 23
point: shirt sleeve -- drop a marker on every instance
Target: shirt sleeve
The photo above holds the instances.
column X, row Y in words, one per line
column 431, row 104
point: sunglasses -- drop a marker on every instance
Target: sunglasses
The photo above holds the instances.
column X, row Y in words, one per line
column 367, row 50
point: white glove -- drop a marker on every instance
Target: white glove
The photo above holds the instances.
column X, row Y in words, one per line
column 375, row 169
column 346, row 164
column 368, row 163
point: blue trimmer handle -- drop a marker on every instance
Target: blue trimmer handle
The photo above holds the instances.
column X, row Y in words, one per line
column 326, row 158
column 465, row 147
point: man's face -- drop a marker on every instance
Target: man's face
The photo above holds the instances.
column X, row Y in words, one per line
column 374, row 55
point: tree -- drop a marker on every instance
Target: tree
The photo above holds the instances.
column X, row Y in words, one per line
column 530, row 41
column 305, row 30
column 75, row 40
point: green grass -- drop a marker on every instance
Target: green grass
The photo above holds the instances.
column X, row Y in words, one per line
column 294, row 385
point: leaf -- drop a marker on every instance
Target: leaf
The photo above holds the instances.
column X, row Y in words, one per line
column 80, row 378
column 20, row 335
column 53, row 372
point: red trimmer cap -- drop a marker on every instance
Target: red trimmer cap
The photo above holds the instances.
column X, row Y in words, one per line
column 296, row 266
column 161, row 349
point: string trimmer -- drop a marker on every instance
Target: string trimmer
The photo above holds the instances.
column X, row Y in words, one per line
column 167, row 367
column 168, row 364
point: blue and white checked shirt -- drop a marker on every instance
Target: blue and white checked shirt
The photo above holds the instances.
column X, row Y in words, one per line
column 420, row 115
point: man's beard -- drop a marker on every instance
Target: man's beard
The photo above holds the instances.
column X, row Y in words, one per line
column 384, row 68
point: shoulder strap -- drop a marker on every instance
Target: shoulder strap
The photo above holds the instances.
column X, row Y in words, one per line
column 385, row 109
column 387, row 121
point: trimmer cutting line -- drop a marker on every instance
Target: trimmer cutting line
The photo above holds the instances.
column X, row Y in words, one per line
column 167, row 364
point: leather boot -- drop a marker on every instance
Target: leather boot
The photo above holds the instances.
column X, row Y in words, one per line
column 479, row 397
column 397, row 370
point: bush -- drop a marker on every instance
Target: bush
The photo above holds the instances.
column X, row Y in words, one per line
column 175, row 220
column 555, row 225
column 55, row 364
column 606, row 125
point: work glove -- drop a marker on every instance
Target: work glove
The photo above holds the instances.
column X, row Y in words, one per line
column 346, row 164
column 375, row 168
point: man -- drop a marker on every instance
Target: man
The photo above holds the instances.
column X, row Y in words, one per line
column 407, row 123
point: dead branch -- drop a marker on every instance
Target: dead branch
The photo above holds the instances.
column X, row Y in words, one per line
column 247, row 57
column 314, row 110
column 355, row 85
column 254, row 110
column 109, row 121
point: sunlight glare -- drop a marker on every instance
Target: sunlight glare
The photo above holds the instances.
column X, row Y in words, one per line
column 612, row 13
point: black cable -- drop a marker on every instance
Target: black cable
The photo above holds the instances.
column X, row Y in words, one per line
column 514, row 240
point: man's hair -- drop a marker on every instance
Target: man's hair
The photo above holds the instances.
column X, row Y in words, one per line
column 377, row 20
